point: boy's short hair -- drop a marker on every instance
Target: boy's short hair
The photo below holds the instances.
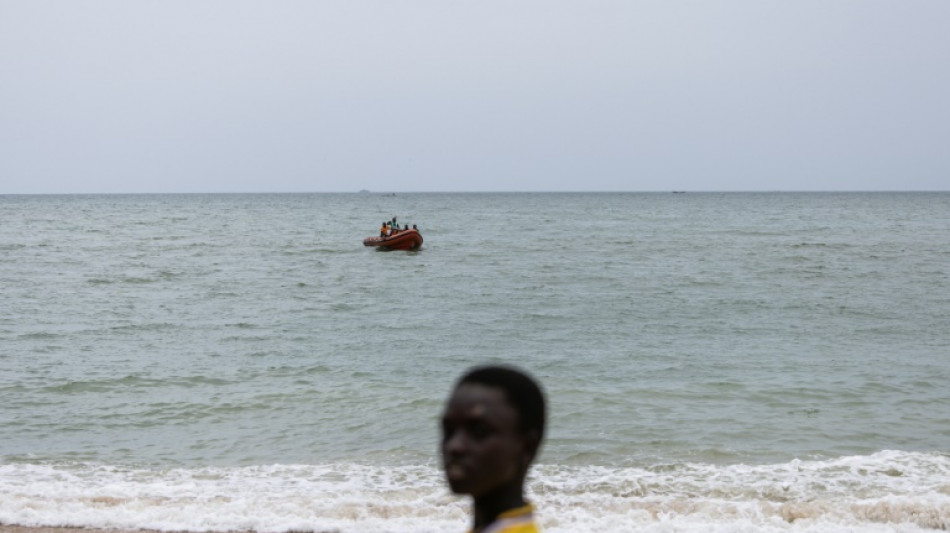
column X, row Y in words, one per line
column 523, row 393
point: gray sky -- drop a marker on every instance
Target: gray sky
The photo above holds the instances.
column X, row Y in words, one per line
column 478, row 95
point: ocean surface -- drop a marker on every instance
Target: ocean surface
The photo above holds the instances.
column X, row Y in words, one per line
column 735, row 362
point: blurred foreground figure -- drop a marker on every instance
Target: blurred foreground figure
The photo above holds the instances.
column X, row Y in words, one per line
column 492, row 428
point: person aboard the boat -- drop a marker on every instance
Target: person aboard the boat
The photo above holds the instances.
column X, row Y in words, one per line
column 383, row 230
column 492, row 428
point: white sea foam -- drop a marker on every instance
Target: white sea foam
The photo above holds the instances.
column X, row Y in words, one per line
column 261, row 498
column 887, row 491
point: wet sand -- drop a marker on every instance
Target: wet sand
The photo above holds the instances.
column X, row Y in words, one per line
column 24, row 529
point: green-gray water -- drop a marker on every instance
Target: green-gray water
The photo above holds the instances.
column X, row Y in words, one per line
column 232, row 331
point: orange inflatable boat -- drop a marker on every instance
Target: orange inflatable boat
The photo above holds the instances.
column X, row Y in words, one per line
column 409, row 239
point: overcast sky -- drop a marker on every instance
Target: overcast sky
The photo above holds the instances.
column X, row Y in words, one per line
column 478, row 95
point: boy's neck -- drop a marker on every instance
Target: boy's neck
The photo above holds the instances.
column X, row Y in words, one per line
column 489, row 506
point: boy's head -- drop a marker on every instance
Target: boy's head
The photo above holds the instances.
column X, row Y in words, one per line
column 491, row 430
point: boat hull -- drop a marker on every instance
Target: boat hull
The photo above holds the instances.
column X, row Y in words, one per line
column 404, row 240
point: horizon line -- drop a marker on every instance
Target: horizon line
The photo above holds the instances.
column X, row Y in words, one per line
column 394, row 193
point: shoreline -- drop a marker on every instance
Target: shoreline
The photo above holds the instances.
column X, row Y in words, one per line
column 5, row 528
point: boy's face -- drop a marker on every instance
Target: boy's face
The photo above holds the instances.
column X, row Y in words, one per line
column 482, row 446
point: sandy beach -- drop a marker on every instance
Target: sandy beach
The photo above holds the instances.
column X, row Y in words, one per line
column 24, row 529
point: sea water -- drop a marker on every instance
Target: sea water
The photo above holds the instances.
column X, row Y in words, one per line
column 713, row 362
